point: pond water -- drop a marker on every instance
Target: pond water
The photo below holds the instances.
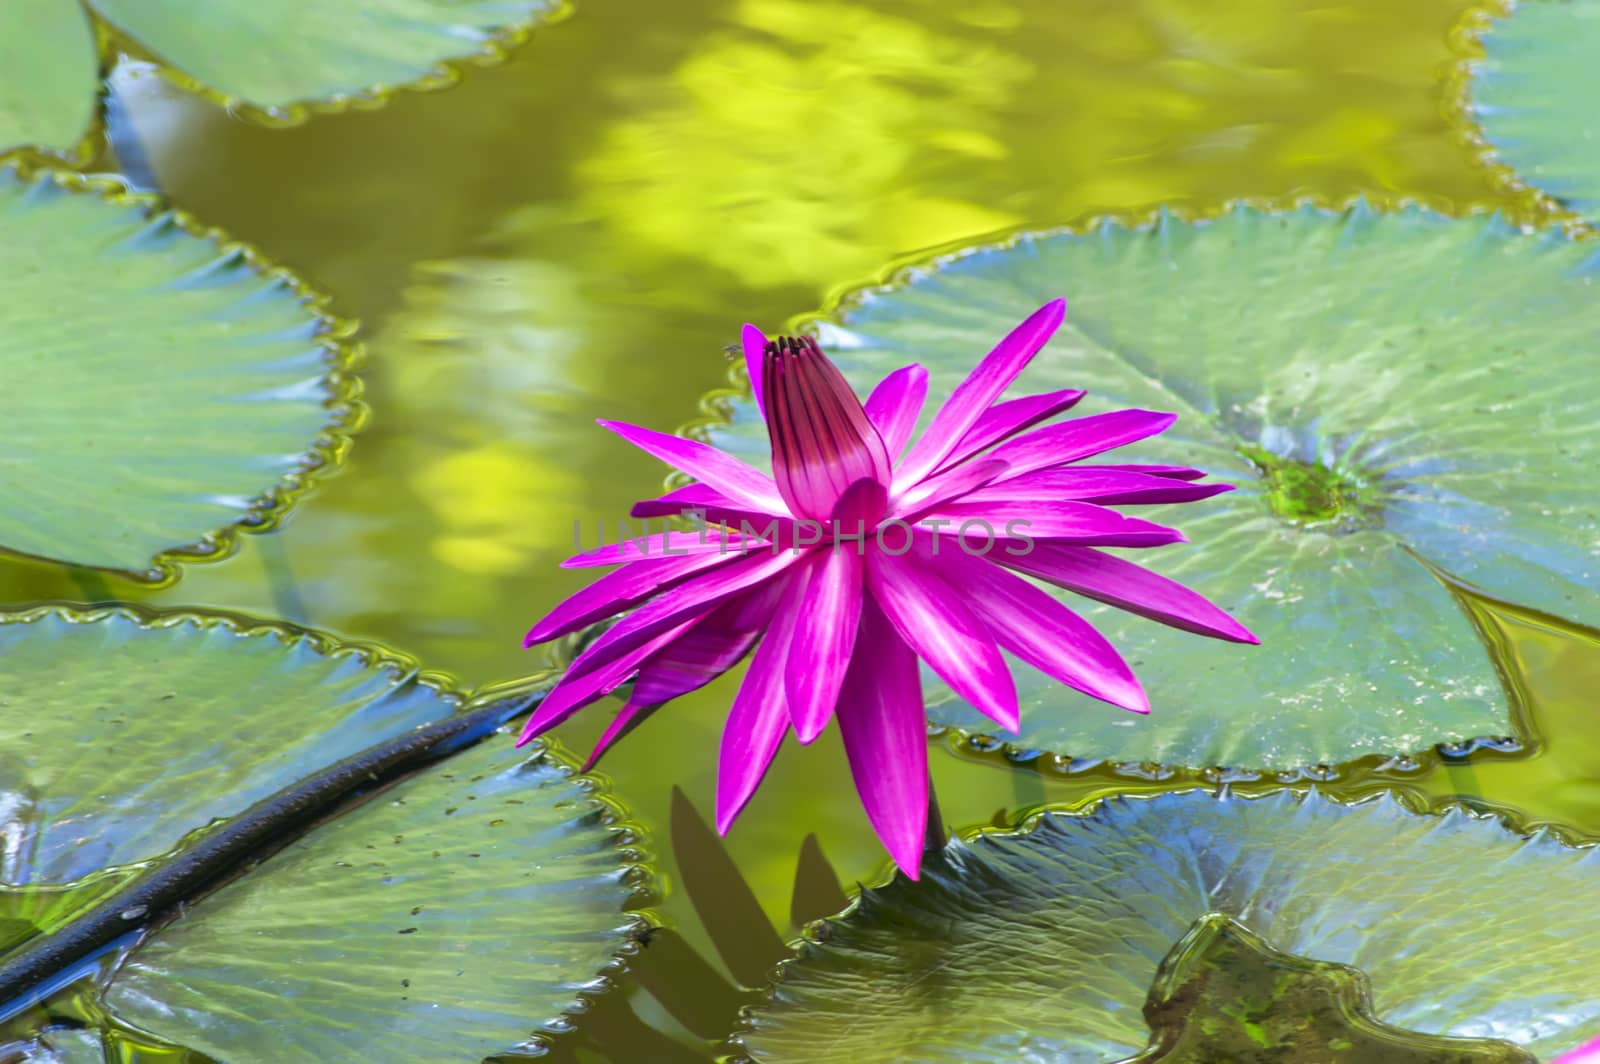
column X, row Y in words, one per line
column 577, row 234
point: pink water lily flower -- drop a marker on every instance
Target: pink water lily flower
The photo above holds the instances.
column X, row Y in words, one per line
column 859, row 555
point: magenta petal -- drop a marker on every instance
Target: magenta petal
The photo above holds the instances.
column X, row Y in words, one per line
column 1081, row 522
column 1081, row 437
column 758, row 717
column 886, row 737
column 1041, row 631
column 950, row 485
column 572, row 692
column 662, row 545
column 825, row 634
column 981, row 388
column 632, row 715
column 709, row 649
column 895, row 404
column 1177, row 472
column 693, row 659
column 721, row 471
column 933, row 619
column 754, row 342
column 1588, row 1053
column 1004, row 420
column 1105, row 487
column 697, row 595
column 1127, row 586
column 678, row 500
column 619, row 590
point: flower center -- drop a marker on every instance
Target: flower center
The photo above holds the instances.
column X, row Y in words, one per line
column 1315, row 496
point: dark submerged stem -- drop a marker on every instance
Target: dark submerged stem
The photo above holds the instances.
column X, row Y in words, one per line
column 935, row 837
column 275, row 819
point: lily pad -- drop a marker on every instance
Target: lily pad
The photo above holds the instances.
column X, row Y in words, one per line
column 48, row 76
column 451, row 916
column 272, row 54
column 1532, row 95
column 162, row 387
column 1388, row 392
column 122, row 733
column 273, row 57
column 445, row 920
column 1043, row 944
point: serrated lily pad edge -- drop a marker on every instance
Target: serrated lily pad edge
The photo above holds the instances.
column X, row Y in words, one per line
column 1527, row 203
column 342, row 355
column 495, row 48
column 716, row 412
column 371, row 655
column 816, row 933
column 627, row 834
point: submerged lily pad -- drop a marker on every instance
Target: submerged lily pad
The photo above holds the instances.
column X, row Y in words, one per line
column 451, row 916
column 162, row 388
column 1224, row 993
column 1533, row 97
column 1387, row 391
column 1043, row 945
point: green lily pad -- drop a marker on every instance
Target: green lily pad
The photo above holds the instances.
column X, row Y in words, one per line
column 272, row 54
column 453, row 915
column 1532, row 96
column 120, row 734
column 1043, row 944
column 1388, row 392
column 447, row 919
column 274, row 58
column 48, row 76
column 162, row 387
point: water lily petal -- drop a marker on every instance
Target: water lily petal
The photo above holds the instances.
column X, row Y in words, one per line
column 824, row 637
column 981, row 388
column 886, row 737
column 574, row 692
column 723, row 472
column 933, row 619
column 754, row 342
column 1588, row 1053
column 619, row 590
column 1081, row 437
column 1004, row 420
column 698, row 656
column 678, row 500
column 1031, row 624
column 1119, row 582
column 758, row 717
column 1081, row 522
column 952, row 484
column 895, row 404
column 693, row 597
column 659, row 545
column 1106, row 487
column 1177, row 472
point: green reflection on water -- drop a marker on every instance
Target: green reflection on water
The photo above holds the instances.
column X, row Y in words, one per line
column 579, row 233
